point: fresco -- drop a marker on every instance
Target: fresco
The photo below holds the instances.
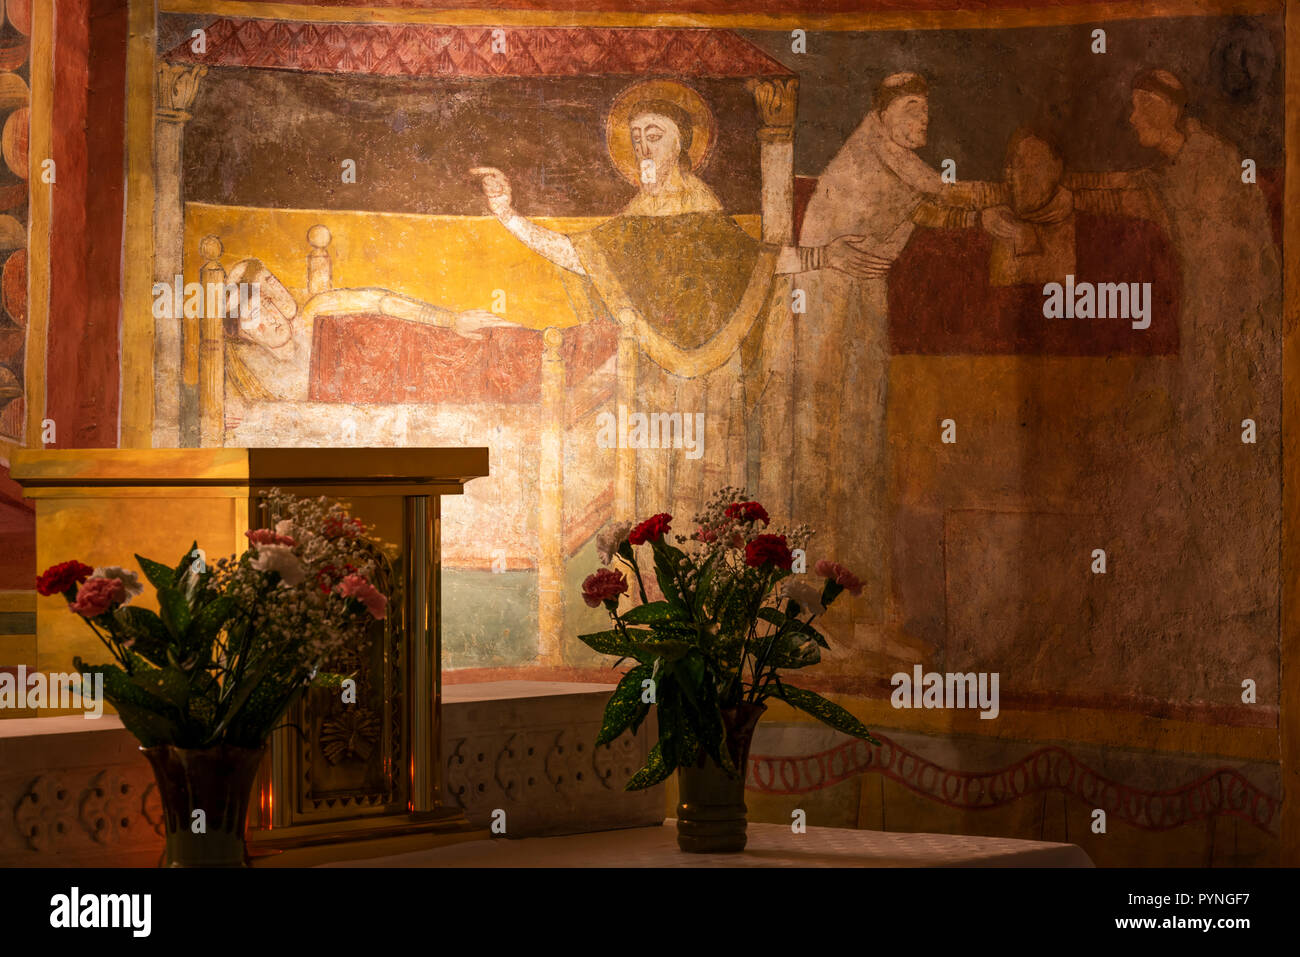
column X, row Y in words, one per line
column 996, row 311
column 15, row 102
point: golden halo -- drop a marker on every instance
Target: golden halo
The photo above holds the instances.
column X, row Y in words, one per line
column 619, row 139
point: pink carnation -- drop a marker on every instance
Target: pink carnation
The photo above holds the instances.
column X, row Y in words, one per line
column 98, row 595
column 354, row 586
column 840, row 575
column 264, row 536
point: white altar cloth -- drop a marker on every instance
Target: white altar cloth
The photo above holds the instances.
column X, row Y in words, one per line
column 770, row 845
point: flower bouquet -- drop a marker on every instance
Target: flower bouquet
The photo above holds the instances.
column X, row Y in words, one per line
column 709, row 647
column 203, row 681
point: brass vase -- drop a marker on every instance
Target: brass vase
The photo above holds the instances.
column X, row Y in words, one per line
column 711, row 812
column 216, row 781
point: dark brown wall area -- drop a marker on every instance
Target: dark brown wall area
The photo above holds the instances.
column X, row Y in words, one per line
column 278, row 139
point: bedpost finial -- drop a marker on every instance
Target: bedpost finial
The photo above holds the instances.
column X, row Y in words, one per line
column 210, row 248
column 319, row 236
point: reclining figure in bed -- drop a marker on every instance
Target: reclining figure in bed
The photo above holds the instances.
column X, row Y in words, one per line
column 268, row 351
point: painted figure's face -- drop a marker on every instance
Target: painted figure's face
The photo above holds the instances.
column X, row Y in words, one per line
column 267, row 326
column 657, row 144
column 1033, row 174
column 907, row 120
column 1153, row 117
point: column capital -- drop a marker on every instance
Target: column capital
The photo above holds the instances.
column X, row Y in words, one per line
column 177, row 85
column 776, row 98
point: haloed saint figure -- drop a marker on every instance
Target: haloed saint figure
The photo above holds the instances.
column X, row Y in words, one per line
column 675, row 268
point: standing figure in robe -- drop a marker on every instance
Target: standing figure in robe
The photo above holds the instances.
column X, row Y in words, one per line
column 681, row 276
column 1229, row 347
column 877, row 188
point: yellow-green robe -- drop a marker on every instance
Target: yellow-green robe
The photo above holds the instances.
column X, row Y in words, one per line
column 691, row 288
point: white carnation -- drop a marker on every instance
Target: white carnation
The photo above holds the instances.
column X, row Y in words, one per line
column 808, row 596
column 280, row 558
column 608, row 540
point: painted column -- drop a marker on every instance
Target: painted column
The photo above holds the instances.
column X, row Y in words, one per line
column 550, row 517
column 769, row 400
column 776, row 98
column 629, row 354
column 176, row 385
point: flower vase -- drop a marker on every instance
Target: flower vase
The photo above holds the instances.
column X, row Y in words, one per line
column 217, row 781
column 711, row 812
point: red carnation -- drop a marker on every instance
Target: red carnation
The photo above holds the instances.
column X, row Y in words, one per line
column 651, row 530
column 768, row 550
column 605, row 585
column 341, row 526
column 57, row 579
column 747, row 512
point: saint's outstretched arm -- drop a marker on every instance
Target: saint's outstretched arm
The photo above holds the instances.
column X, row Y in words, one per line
column 547, row 243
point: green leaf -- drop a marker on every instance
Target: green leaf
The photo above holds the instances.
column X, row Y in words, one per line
column 669, row 555
column 825, row 711
column 150, row 635
column 186, row 561
column 643, row 709
column 249, row 682
column 623, row 705
column 151, row 719
column 174, row 611
column 703, row 585
column 794, row 651
column 207, row 624
column 670, row 649
column 672, row 594
column 612, row 642
column 791, row 623
column 831, row 592
column 169, row 684
column 655, row 611
column 331, row 679
column 691, row 673
column 159, row 575
column 262, row 712
column 656, row 769
column 714, row 740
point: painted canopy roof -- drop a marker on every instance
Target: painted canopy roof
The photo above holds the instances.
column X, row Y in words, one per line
column 385, row 49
